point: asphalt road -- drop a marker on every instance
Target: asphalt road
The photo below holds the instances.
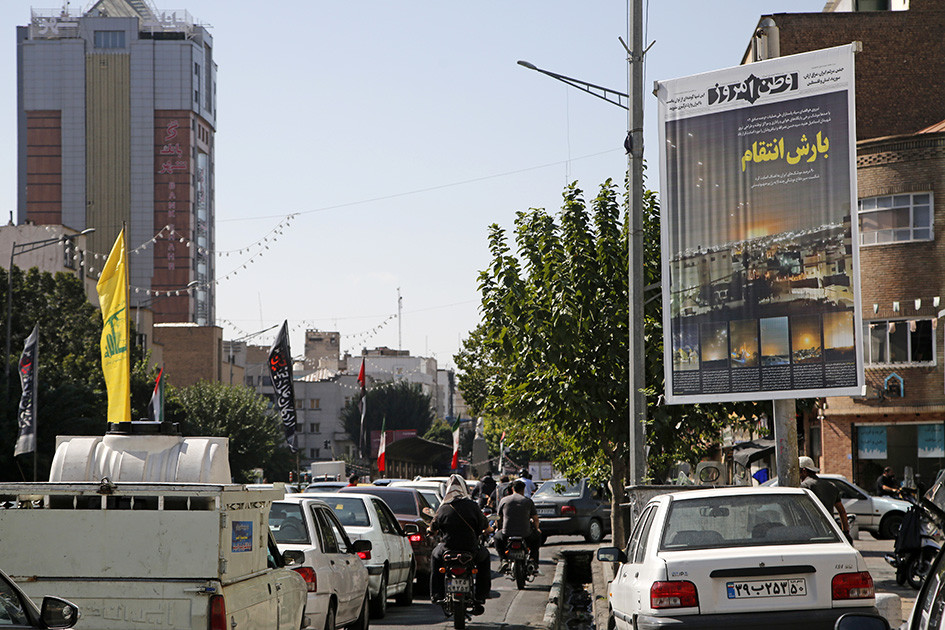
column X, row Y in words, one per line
column 507, row 609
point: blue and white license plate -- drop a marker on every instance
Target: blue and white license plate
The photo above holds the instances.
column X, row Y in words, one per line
column 458, row 585
column 750, row 589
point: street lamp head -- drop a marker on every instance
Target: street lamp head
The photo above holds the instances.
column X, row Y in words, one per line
column 86, row 231
column 527, row 64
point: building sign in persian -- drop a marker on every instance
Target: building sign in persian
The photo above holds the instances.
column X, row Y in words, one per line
column 759, row 243
column 172, row 172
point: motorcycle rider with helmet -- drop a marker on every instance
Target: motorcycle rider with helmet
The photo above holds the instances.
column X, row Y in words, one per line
column 460, row 523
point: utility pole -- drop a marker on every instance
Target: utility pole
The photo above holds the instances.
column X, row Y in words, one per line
column 400, row 301
column 766, row 45
column 637, row 364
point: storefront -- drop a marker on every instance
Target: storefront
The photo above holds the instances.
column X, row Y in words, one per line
column 917, row 445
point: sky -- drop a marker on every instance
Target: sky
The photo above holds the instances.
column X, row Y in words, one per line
column 396, row 133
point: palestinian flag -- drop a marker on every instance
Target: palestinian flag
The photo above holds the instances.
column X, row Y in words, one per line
column 455, row 463
column 382, row 449
column 156, row 404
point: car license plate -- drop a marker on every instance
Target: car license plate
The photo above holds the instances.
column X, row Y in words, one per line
column 545, row 511
column 458, row 585
column 793, row 587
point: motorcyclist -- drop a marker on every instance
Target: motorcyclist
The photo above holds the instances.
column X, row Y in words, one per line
column 518, row 517
column 502, row 489
column 485, row 489
column 459, row 523
column 525, row 476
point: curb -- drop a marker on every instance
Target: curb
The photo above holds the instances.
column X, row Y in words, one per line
column 603, row 574
column 552, row 618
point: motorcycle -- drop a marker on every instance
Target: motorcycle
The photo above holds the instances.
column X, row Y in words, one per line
column 915, row 547
column 516, row 565
column 460, row 572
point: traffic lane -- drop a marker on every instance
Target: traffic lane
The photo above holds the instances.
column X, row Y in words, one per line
column 507, row 608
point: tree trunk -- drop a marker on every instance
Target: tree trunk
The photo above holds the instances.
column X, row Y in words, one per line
column 619, row 522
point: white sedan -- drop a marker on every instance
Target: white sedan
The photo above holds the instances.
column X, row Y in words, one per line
column 737, row 558
column 336, row 577
column 390, row 563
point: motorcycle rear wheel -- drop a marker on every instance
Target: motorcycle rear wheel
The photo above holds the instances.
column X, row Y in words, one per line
column 518, row 572
column 918, row 567
column 459, row 613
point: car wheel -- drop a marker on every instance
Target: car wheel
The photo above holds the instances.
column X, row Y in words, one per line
column 379, row 603
column 595, row 532
column 364, row 619
column 406, row 598
column 889, row 526
column 330, row 618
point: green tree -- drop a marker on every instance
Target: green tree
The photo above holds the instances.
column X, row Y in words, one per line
column 402, row 404
column 256, row 436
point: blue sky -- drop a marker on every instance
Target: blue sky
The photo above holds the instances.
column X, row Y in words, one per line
column 398, row 132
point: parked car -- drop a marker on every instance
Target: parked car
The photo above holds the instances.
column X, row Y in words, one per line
column 390, row 563
column 880, row 516
column 572, row 508
column 747, row 556
column 18, row 611
column 336, row 578
column 408, row 505
column 325, row 486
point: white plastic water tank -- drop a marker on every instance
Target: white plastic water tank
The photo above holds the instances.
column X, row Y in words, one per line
column 141, row 458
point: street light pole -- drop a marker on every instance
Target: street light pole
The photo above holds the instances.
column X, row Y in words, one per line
column 25, row 248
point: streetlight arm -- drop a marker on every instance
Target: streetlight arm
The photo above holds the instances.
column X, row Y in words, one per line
column 611, row 96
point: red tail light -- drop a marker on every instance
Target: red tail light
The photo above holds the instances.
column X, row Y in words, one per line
column 457, row 570
column 415, row 538
column 364, row 555
column 568, row 509
column 677, row 594
column 311, row 580
column 852, row 586
column 516, row 545
column 217, row 613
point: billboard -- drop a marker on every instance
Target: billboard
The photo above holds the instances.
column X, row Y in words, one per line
column 759, row 233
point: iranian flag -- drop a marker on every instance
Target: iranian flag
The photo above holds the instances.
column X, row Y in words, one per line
column 382, row 449
column 455, row 463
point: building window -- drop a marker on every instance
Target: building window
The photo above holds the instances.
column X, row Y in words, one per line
column 318, row 403
column 899, row 342
column 317, row 427
column 311, row 428
column 109, row 39
column 896, row 218
column 318, row 453
column 312, row 451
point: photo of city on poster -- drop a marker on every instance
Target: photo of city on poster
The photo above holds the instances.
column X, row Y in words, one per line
column 759, row 248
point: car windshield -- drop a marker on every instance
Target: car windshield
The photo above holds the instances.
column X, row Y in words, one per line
column 349, row 510
column 745, row 520
column 288, row 524
column 558, row 488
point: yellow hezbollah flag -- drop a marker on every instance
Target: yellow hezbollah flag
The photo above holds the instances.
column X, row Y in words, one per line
column 112, row 290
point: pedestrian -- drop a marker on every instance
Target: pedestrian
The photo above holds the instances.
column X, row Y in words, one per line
column 825, row 491
column 354, row 480
column 886, row 483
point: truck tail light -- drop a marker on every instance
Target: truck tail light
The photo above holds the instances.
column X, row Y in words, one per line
column 568, row 509
column 852, row 586
column 364, row 555
column 311, row 579
column 415, row 538
column 675, row 594
column 217, row 613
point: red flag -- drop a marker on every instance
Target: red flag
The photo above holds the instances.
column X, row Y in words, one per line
column 455, row 463
column 381, row 450
column 363, row 405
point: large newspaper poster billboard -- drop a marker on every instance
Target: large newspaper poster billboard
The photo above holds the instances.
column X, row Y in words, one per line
column 759, row 233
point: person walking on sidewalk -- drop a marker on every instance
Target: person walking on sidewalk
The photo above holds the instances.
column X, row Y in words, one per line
column 825, row 491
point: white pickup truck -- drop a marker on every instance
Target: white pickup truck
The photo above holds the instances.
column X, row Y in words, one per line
column 147, row 553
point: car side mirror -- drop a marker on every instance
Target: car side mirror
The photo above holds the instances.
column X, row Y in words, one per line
column 861, row 621
column 411, row 528
column 358, row 546
column 293, row 558
column 611, row 554
column 59, row 613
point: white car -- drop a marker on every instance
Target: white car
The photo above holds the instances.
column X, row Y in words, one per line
column 880, row 516
column 430, row 484
column 737, row 558
column 334, row 573
column 390, row 563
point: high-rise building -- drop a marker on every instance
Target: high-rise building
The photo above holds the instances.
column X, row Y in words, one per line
column 116, row 115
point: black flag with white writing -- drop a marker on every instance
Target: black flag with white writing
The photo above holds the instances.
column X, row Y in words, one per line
column 280, row 369
column 26, row 438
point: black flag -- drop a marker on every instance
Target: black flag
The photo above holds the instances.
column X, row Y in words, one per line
column 26, row 439
column 280, row 368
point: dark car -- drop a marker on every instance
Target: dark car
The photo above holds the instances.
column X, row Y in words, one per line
column 408, row 504
column 18, row 611
column 566, row 508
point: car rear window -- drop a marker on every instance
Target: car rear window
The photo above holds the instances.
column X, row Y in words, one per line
column 349, row 510
column 399, row 501
column 745, row 520
column 288, row 524
column 558, row 488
